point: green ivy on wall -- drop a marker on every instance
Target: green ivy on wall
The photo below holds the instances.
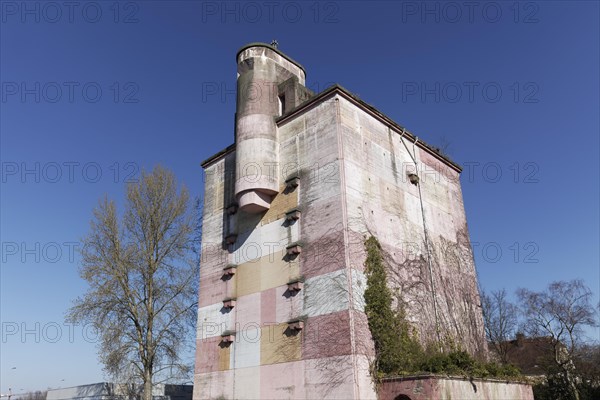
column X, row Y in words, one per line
column 397, row 349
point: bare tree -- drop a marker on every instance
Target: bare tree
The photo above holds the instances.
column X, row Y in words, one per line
column 559, row 313
column 142, row 273
column 500, row 319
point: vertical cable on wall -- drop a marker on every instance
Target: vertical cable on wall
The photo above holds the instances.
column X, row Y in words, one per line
column 426, row 235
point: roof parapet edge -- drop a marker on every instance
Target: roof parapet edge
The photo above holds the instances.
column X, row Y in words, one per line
column 268, row 46
column 204, row 164
column 336, row 88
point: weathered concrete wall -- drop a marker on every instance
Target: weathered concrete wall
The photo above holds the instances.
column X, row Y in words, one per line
column 352, row 182
column 448, row 388
column 381, row 201
column 266, row 360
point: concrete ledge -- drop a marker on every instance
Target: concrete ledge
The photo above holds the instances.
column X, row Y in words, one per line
column 274, row 49
column 425, row 387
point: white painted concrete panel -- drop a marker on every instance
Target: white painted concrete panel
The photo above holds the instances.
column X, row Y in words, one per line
column 212, row 321
column 246, row 348
column 326, row 294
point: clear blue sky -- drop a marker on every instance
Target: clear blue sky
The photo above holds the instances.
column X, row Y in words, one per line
column 513, row 87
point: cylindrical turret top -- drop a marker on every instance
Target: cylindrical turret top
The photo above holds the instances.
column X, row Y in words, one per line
column 261, row 69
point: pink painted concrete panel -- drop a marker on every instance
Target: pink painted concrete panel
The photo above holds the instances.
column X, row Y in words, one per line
column 247, row 311
column 330, row 378
column 324, row 250
column 212, row 290
column 439, row 166
column 207, row 355
column 356, row 250
column 326, row 336
column 362, row 335
column 288, row 305
column 213, row 385
column 268, row 306
column 282, row 381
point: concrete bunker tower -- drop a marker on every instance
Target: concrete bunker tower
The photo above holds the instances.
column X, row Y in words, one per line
column 260, row 98
column 287, row 209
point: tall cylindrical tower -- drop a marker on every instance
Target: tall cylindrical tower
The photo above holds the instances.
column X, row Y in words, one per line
column 261, row 69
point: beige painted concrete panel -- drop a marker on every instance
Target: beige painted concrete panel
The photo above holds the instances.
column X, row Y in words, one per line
column 247, row 278
column 273, row 275
column 283, row 202
column 224, row 357
column 269, row 272
column 280, row 344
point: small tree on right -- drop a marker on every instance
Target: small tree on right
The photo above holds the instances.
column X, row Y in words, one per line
column 559, row 313
column 500, row 317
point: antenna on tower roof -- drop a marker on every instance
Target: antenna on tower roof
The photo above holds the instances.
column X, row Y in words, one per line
column 274, row 43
